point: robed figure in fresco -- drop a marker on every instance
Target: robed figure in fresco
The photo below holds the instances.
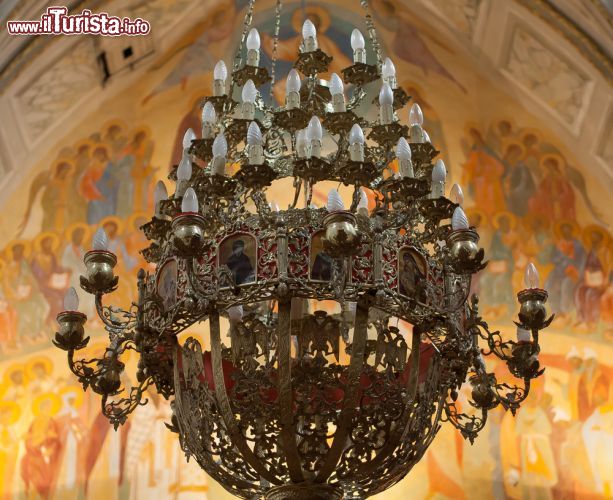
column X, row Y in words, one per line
column 43, row 446
column 21, row 289
column 568, row 259
column 483, row 172
column 99, row 186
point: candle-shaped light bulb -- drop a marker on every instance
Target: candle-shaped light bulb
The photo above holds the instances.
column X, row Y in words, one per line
column 356, row 143
column 189, row 203
column 358, row 44
column 459, row 219
column 531, row 276
column 253, row 48
column 356, row 135
column 100, row 240
column 208, row 113
column 220, row 72
column 292, row 90
column 253, row 39
column 456, row 194
column 426, row 136
column 293, row 82
column 314, row 130
column 249, row 92
column 439, row 172
column 254, row 143
column 363, row 203
column 357, row 40
column 416, row 117
column 523, row 335
column 188, row 137
column 386, row 96
column 220, row 146
column 184, row 171
column 274, row 206
column 336, row 84
column 309, row 36
column 308, row 29
column 337, row 89
column 254, row 135
column 71, row 300
column 388, row 72
column 160, row 193
column 335, row 202
column 403, row 150
column 403, row 154
column 386, row 101
column 235, row 313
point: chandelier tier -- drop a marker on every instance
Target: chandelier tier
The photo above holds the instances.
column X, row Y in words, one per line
column 296, row 402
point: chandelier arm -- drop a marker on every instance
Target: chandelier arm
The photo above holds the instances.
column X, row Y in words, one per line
column 224, row 403
column 117, row 411
column 350, row 401
column 287, row 434
column 239, row 51
column 84, row 373
column 372, row 32
column 275, row 43
column 106, row 315
column 514, row 397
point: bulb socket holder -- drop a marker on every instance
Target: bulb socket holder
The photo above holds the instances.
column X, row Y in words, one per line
column 464, row 252
column 188, row 233
column 532, row 310
column 71, row 332
column 99, row 272
column 341, row 236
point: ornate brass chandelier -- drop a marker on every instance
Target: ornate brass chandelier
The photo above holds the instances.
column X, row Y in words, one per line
column 293, row 403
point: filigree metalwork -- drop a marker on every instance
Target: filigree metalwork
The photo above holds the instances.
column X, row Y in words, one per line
column 290, row 403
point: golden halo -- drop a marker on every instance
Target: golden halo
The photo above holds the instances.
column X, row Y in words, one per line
column 27, row 249
column 118, row 122
column 513, row 142
column 472, row 125
column 509, row 121
column 593, row 228
column 300, row 15
column 471, row 212
column 499, row 215
column 526, row 131
column 60, row 161
column 45, row 361
column 83, row 142
column 116, row 220
column 44, row 235
column 134, row 217
column 10, row 406
column 75, row 390
column 56, row 403
column 552, row 156
column 558, row 226
column 17, row 367
column 143, row 128
column 78, row 225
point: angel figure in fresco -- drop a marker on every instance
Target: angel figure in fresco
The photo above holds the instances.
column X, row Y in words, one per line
column 54, row 186
column 78, row 205
column 72, row 433
column 53, row 279
column 329, row 38
column 496, row 283
column 593, row 280
column 518, row 183
column 198, row 50
column 114, row 137
column 554, row 196
column 409, row 41
column 98, row 186
column 499, row 135
column 8, row 318
column 21, row 289
column 133, row 171
column 72, row 255
column 483, row 173
column 39, row 372
column 594, row 385
column 43, row 447
column 568, row 259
